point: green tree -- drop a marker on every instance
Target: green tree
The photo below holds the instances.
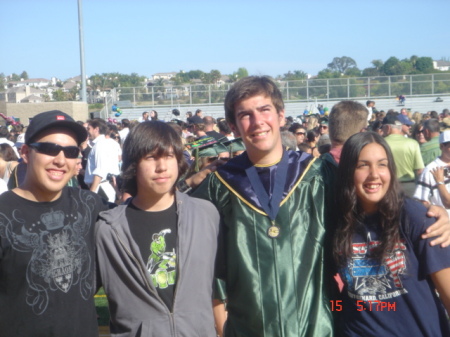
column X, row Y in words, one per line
column 341, row 64
column 237, row 75
column 406, row 67
column 391, row 67
column 15, row 77
column 413, row 60
column 328, row 73
column 368, row 72
column 353, row 72
column 295, row 75
column 195, row 74
column 207, row 78
column 97, row 81
column 159, row 82
column 215, row 75
column 181, row 78
column 424, row 65
column 59, row 95
column 377, row 64
column 72, row 94
column 24, row 75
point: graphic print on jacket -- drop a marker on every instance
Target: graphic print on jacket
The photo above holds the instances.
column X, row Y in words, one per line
column 161, row 264
column 370, row 280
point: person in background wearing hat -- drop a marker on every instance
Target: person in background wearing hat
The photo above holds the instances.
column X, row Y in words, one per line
column 406, row 153
column 433, row 186
column 406, row 124
column 156, row 252
column 47, row 248
column 235, row 147
column 176, row 116
column 430, row 150
column 204, row 155
column 323, row 130
column 446, row 119
column 198, row 128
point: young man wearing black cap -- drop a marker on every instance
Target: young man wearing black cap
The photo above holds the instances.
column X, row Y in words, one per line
column 46, row 230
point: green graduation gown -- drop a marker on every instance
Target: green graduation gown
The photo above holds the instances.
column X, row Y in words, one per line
column 275, row 286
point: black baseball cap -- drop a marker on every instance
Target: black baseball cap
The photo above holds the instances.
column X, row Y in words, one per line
column 49, row 119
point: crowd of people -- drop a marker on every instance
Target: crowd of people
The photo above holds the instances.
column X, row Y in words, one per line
column 255, row 224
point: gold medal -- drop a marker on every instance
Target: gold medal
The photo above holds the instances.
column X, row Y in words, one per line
column 273, row 231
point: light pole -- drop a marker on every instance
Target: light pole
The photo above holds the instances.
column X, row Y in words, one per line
column 83, row 72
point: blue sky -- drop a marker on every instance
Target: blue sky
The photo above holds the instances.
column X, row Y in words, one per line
column 266, row 37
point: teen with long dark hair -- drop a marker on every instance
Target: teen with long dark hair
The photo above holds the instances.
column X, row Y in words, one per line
column 390, row 273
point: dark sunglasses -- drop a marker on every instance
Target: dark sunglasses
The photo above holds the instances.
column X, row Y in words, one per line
column 53, row 150
column 300, row 133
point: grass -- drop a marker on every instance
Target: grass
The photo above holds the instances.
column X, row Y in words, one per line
column 101, row 304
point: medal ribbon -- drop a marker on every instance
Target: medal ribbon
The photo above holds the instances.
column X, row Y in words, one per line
column 270, row 205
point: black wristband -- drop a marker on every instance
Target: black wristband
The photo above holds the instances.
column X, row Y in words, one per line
column 183, row 187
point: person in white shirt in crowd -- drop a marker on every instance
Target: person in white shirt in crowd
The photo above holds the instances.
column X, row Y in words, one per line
column 145, row 117
column 4, row 134
column 125, row 130
column 434, row 183
column 8, row 161
column 103, row 160
column 224, row 129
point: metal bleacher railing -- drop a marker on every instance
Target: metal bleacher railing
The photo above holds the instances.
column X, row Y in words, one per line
column 304, row 93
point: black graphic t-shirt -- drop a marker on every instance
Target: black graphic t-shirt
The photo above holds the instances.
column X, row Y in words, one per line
column 156, row 236
column 47, row 265
column 394, row 297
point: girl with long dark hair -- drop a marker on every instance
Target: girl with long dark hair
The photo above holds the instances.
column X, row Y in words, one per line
column 390, row 274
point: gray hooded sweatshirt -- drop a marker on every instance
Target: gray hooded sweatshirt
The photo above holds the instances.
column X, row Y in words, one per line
column 134, row 304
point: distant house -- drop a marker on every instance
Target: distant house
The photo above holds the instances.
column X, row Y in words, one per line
column 32, row 99
column 67, row 86
column 97, row 95
column 441, row 65
column 18, row 94
column 74, row 79
column 32, row 82
column 164, row 76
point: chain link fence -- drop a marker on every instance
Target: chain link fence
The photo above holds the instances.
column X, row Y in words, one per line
column 357, row 88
